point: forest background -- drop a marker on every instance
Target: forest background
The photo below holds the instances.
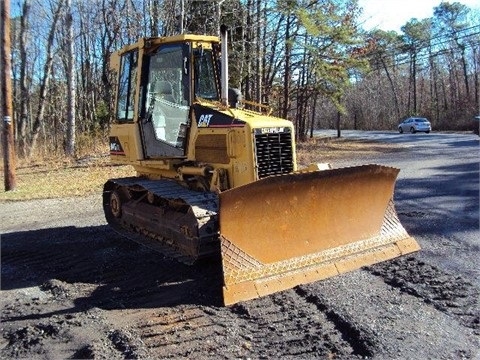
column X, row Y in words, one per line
column 311, row 61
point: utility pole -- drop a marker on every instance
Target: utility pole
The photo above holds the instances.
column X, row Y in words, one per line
column 7, row 134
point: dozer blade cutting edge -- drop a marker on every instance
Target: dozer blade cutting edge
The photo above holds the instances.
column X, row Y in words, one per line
column 288, row 230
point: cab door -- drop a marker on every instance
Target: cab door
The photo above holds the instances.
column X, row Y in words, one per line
column 165, row 101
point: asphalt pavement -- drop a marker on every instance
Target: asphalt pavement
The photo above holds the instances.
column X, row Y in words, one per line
column 437, row 191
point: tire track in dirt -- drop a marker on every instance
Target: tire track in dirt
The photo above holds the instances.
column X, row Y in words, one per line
column 371, row 312
column 182, row 332
column 359, row 339
column 448, row 293
column 288, row 325
column 283, row 325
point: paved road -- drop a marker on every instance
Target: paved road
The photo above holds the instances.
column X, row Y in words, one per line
column 437, row 193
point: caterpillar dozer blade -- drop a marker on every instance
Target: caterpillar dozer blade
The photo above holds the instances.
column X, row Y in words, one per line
column 287, row 230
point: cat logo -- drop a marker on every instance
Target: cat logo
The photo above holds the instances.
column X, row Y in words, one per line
column 204, row 120
column 116, row 146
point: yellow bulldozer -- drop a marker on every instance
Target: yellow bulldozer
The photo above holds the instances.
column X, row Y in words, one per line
column 215, row 176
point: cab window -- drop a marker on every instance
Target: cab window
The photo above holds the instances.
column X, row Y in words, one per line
column 126, row 86
column 167, row 100
column 205, row 77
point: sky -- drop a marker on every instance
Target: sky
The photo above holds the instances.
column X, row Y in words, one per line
column 393, row 14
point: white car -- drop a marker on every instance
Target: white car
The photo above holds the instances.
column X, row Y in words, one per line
column 415, row 124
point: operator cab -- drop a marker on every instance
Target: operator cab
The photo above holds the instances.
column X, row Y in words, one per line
column 172, row 75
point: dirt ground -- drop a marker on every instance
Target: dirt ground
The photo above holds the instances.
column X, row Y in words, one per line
column 72, row 288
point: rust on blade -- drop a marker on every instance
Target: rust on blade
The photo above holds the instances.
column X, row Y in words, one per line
column 283, row 231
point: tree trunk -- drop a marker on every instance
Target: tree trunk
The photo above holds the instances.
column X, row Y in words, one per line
column 258, row 57
column 71, row 83
column 392, row 86
column 288, row 69
column 465, row 73
column 414, row 76
column 154, row 9
column 314, row 112
column 248, row 53
column 44, row 85
column 24, row 95
column 339, row 131
column 476, row 81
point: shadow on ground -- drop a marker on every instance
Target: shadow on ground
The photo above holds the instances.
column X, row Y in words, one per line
column 115, row 272
column 443, row 203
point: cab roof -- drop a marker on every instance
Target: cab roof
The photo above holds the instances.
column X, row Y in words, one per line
column 152, row 41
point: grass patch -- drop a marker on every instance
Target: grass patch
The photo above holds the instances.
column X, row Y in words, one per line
column 327, row 149
column 63, row 178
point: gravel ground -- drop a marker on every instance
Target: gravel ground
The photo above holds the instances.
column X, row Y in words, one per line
column 72, row 288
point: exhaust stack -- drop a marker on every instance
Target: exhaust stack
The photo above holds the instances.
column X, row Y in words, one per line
column 224, row 70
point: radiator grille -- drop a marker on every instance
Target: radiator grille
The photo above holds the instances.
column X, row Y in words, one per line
column 274, row 153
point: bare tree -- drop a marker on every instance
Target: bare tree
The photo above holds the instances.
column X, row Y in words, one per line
column 45, row 82
column 71, row 83
column 24, row 93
